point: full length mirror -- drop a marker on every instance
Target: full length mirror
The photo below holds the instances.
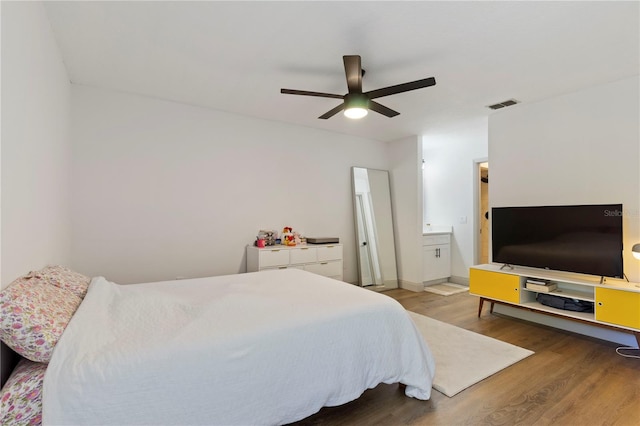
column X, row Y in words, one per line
column 376, row 251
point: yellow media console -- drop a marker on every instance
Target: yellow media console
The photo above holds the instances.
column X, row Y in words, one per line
column 616, row 303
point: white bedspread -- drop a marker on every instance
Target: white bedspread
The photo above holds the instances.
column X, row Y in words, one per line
column 257, row 348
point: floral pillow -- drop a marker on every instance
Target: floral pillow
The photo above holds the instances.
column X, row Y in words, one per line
column 21, row 396
column 62, row 277
column 33, row 315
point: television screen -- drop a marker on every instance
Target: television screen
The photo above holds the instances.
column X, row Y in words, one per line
column 585, row 239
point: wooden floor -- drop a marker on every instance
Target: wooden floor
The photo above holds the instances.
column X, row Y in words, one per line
column 570, row 380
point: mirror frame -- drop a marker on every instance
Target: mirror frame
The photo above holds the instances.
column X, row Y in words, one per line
column 391, row 262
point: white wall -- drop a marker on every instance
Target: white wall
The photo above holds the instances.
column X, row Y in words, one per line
column 580, row 148
column 405, row 156
column 162, row 190
column 35, row 144
column 35, row 149
column 449, row 155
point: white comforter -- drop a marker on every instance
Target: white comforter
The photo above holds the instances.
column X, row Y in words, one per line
column 258, row 348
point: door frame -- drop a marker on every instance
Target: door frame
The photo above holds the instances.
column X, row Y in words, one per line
column 476, row 209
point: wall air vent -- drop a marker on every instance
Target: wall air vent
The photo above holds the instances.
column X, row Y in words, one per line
column 503, row 104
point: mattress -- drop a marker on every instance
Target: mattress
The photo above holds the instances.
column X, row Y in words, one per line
column 269, row 347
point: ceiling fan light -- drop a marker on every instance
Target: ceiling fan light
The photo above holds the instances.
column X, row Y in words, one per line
column 355, row 112
column 356, row 105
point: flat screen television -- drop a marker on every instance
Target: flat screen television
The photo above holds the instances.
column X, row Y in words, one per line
column 585, row 239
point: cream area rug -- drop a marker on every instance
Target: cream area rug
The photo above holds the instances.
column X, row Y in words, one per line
column 446, row 289
column 463, row 358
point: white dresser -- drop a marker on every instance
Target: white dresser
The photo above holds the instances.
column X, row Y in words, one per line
column 321, row 259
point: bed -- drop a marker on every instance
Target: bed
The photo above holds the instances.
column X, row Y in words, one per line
column 269, row 347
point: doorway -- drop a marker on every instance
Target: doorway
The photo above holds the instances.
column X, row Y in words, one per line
column 482, row 213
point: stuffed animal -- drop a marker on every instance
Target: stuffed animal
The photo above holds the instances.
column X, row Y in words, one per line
column 288, row 238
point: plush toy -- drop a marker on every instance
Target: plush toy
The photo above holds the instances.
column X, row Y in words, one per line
column 288, row 237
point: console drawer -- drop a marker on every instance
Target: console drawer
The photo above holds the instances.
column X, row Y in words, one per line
column 494, row 285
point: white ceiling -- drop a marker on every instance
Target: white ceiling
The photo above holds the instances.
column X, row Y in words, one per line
column 236, row 56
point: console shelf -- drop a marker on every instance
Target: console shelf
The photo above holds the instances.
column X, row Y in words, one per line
column 616, row 302
column 587, row 296
column 536, row 306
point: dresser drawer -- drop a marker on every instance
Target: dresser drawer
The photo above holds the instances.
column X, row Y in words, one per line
column 299, row 257
column 271, row 268
column 273, row 257
column 303, row 255
column 329, row 252
column 328, row 269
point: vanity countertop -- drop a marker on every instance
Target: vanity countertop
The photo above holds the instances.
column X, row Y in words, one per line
column 437, row 230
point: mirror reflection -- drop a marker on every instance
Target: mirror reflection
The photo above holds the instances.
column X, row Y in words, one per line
column 374, row 229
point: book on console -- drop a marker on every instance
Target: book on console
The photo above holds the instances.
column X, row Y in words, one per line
column 542, row 288
column 539, row 281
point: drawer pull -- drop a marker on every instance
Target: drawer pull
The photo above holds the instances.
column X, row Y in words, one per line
column 324, row 263
column 274, row 251
column 305, row 248
column 282, row 267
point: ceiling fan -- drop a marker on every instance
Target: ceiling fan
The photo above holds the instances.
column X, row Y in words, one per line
column 356, row 103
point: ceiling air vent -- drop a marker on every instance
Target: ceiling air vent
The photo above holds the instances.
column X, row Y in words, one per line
column 503, row 104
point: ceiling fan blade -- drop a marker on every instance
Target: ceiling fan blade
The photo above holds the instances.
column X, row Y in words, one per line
column 332, row 112
column 307, row 93
column 399, row 88
column 353, row 71
column 381, row 109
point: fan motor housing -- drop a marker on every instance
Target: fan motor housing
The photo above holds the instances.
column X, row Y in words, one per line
column 356, row 100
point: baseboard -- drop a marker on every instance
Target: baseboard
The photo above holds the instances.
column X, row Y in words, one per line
column 410, row 285
column 434, row 282
column 459, row 280
column 420, row 286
